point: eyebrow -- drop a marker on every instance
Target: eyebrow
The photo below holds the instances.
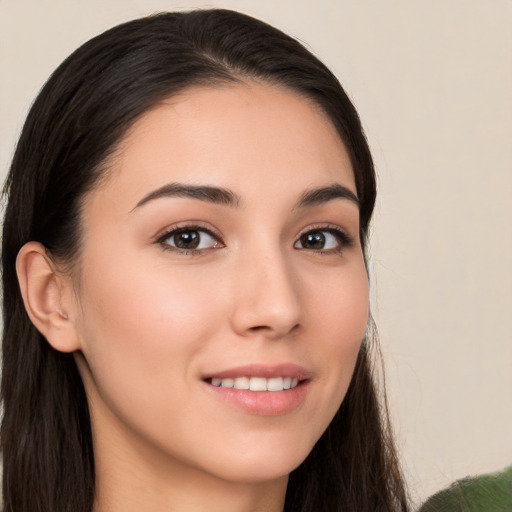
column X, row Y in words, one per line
column 325, row 194
column 224, row 196
column 207, row 193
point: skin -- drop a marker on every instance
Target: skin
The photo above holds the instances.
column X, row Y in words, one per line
column 148, row 321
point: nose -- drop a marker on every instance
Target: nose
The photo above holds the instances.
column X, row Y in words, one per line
column 266, row 299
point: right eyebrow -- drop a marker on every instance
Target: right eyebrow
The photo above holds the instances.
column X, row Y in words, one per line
column 326, row 194
column 207, row 193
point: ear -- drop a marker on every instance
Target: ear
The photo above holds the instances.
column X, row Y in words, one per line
column 48, row 297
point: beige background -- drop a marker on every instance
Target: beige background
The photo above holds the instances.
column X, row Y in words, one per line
column 433, row 83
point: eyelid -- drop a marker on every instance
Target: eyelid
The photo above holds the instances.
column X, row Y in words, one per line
column 345, row 238
column 188, row 224
column 192, row 225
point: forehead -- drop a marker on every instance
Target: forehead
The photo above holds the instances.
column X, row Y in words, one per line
column 246, row 137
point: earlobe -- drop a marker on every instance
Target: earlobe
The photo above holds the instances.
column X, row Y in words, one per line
column 47, row 297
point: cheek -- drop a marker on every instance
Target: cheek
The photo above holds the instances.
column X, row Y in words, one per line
column 141, row 330
column 340, row 306
column 340, row 310
column 145, row 305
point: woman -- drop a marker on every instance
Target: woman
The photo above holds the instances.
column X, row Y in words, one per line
column 188, row 208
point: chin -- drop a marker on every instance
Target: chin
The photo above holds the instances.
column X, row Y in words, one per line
column 261, row 463
column 256, row 471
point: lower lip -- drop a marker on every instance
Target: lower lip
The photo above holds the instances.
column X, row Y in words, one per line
column 262, row 403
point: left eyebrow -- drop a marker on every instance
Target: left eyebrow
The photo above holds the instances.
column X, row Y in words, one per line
column 207, row 193
column 325, row 194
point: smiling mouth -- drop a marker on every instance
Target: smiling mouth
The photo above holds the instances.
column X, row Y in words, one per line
column 256, row 383
column 261, row 389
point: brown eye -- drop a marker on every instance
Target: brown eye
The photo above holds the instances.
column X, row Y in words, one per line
column 323, row 240
column 190, row 239
column 312, row 240
column 187, row 239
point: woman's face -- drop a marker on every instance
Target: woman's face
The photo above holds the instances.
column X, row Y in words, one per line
column 223, row 250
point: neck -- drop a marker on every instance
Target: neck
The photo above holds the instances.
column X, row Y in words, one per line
column 125, row 492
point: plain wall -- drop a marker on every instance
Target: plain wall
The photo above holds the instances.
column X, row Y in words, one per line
column 433, row 84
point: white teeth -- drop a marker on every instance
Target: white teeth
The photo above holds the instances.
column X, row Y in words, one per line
column 241, row 383
column 227, row 383
column 275, row 384
column 257, row 383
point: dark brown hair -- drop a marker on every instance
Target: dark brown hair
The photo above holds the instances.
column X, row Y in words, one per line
column 74, row 125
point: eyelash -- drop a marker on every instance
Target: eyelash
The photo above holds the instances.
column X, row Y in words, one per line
column 188, row 228
column 343, row 238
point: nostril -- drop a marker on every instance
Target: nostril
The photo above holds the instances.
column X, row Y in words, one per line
column 258, row 328
column 273, row 331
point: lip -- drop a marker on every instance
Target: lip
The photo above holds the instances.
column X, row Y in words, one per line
column 262, row 403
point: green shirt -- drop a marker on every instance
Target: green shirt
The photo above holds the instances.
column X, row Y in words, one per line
column 485, row 493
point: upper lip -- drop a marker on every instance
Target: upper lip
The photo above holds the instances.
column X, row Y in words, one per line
column 262, row 370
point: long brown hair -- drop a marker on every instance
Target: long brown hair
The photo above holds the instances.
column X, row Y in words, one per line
column 76, row 122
